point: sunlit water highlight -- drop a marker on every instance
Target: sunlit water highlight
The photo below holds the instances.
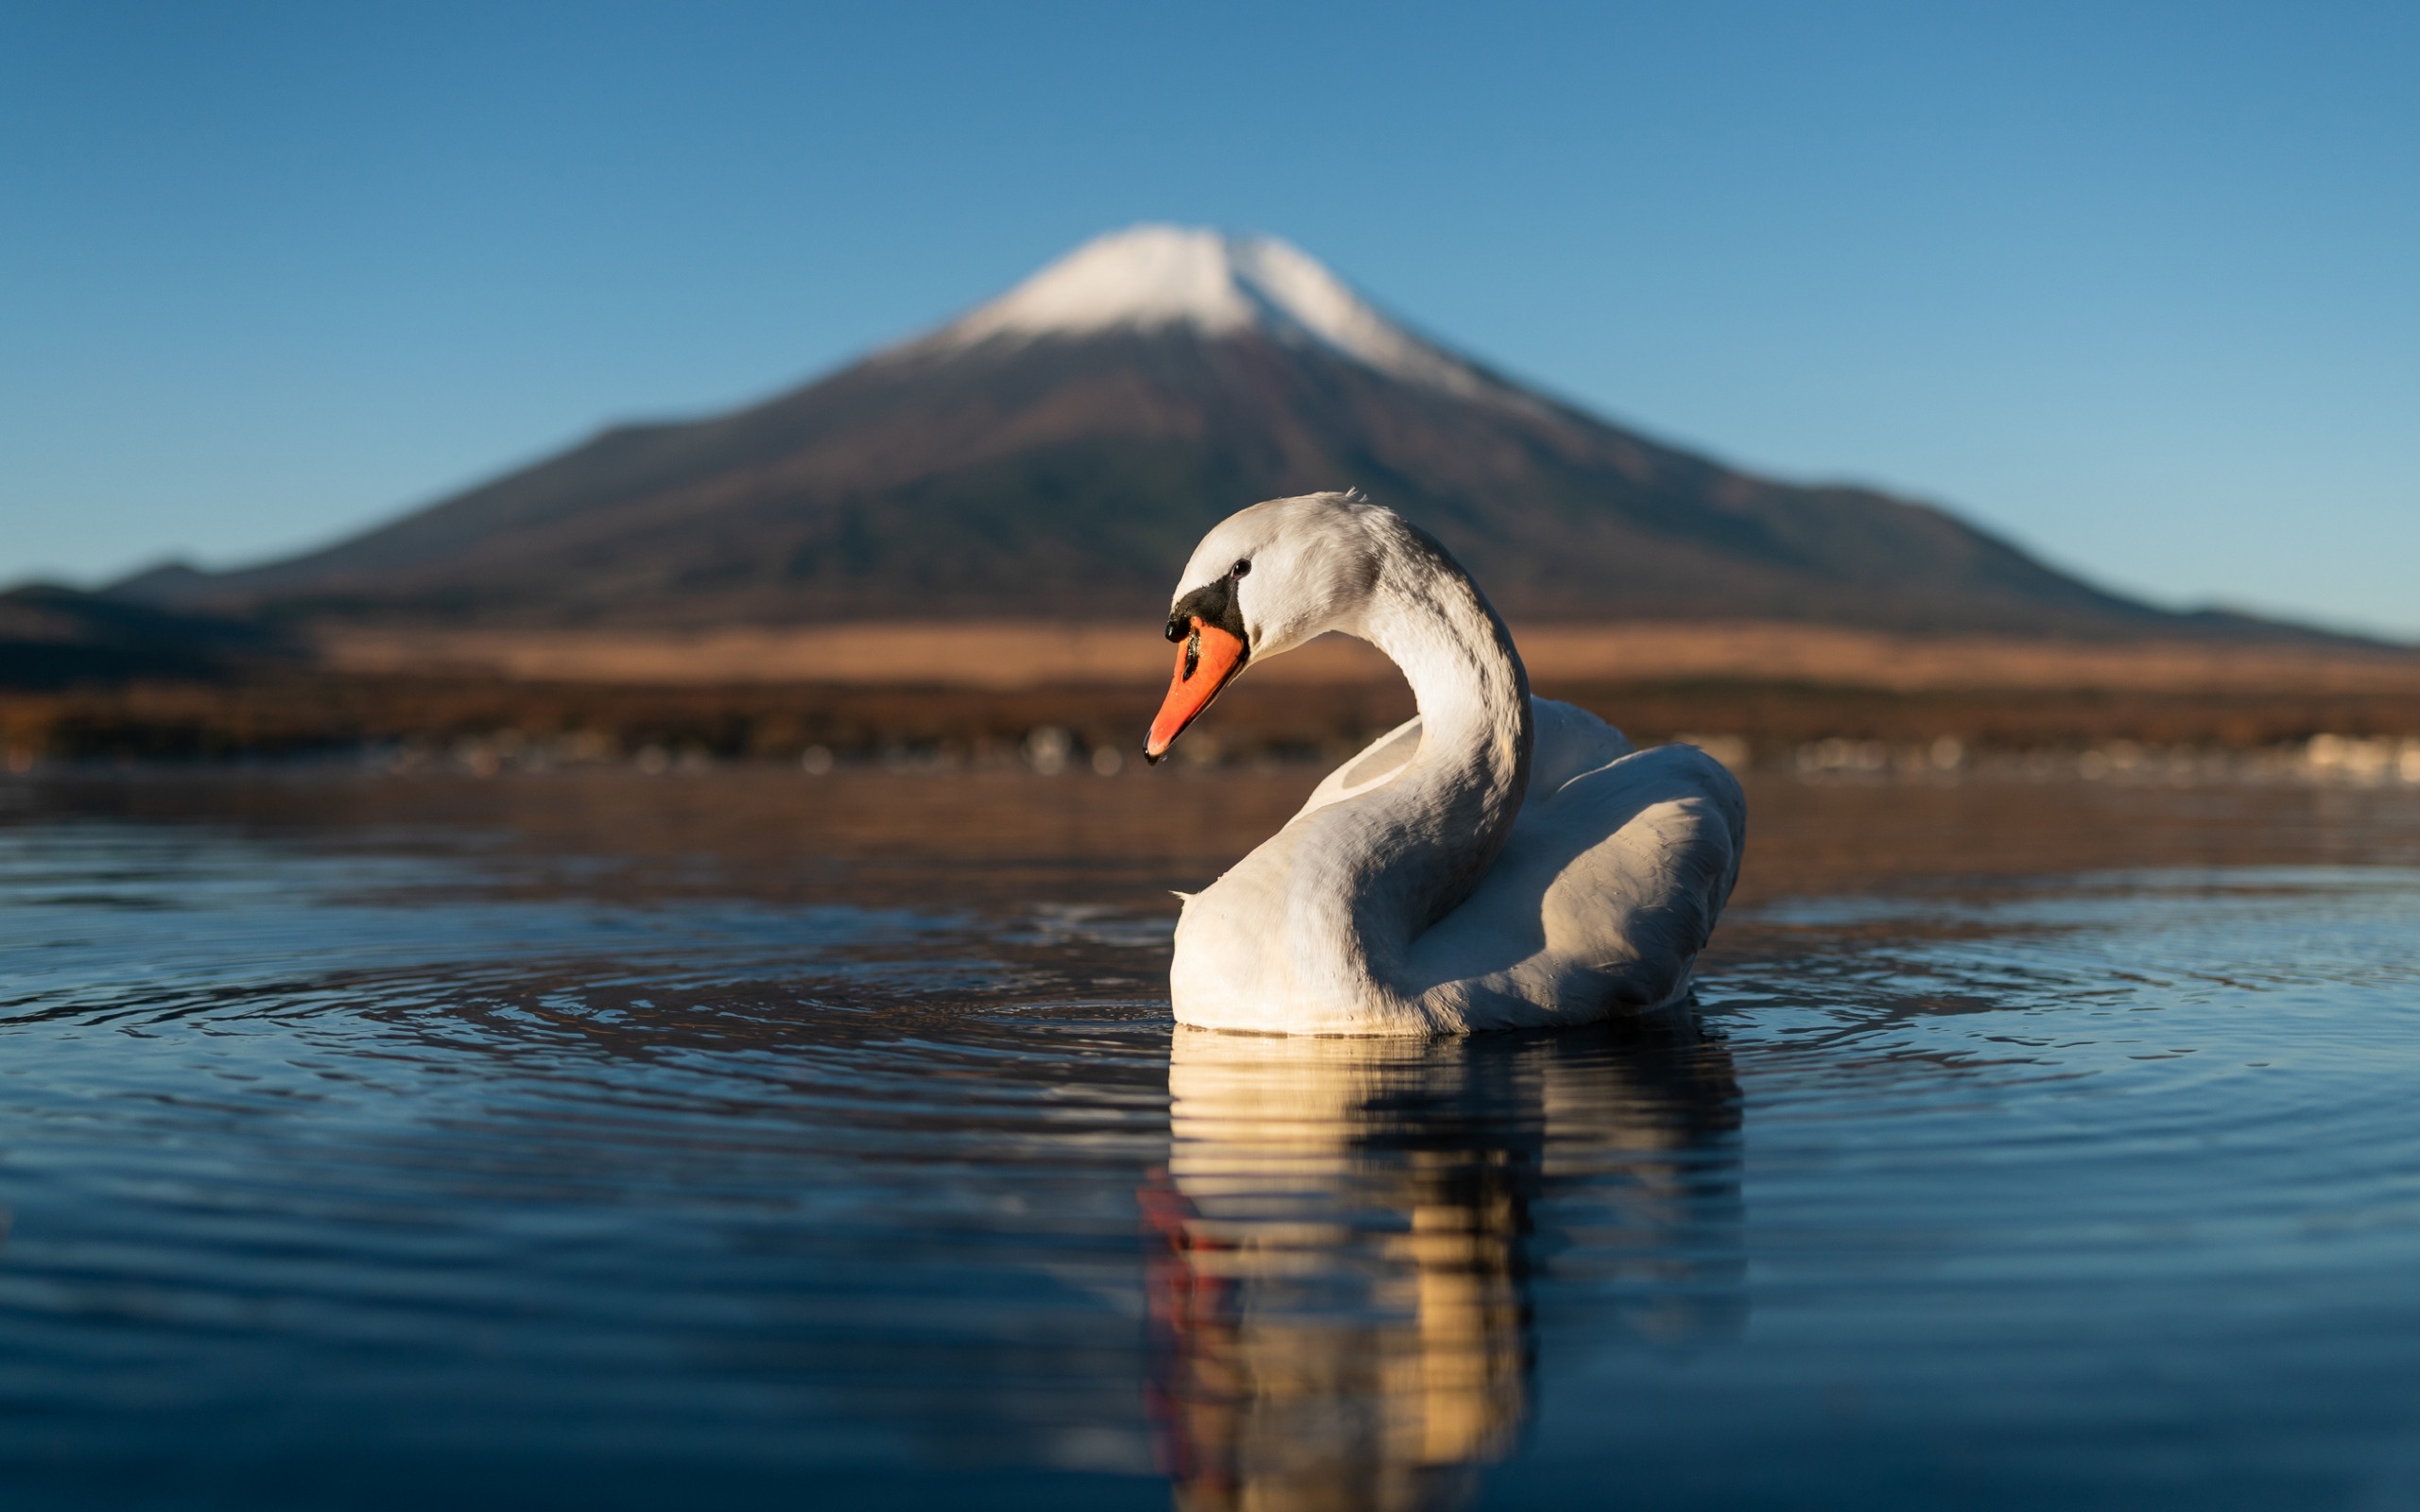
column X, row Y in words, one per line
column 372, row 1163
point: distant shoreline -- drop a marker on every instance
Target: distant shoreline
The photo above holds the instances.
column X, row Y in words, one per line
column 1003, row 655
column 482, row 720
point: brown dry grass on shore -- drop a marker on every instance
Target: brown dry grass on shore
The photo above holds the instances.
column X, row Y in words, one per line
column 979, row 689
column 1021, row 654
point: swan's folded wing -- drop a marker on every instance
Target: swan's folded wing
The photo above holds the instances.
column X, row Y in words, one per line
column 1605, row 894
column 1571, row 741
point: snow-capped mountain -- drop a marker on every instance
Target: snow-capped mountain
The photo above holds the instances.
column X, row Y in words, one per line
column 1158, row 278
column 1056, row 453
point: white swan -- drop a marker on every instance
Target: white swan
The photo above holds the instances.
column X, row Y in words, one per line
column 1500, row 861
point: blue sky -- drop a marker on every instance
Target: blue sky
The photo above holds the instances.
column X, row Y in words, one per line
column 2137, row 285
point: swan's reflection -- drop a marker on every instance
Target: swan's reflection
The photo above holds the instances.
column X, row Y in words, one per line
column 1351, row 1230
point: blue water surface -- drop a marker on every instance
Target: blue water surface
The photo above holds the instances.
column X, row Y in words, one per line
column 364, row 1163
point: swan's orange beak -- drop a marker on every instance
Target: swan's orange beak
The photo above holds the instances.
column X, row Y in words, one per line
column 1206, row 660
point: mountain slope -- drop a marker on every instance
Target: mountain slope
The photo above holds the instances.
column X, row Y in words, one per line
column 53, row 637
column 1056, row 452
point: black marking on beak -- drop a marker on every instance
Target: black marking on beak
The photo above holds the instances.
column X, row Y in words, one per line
column 1214, row 604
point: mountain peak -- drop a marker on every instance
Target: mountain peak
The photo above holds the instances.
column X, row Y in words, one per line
column 1219, row 284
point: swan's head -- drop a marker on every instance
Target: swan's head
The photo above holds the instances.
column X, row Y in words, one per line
column 1267, row 580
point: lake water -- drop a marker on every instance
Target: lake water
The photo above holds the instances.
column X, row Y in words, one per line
column 747, row 1138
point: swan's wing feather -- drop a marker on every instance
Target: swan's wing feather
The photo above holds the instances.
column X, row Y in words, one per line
column 1569, row 741
column 1605, row 892
column 1376, row 762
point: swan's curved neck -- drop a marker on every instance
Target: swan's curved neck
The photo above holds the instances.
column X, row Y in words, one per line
column 1414, row 847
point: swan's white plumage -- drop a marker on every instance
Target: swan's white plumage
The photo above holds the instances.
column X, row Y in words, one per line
column 1500, row 861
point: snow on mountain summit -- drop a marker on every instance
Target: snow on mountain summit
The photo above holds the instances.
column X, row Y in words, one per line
column 1149, row 278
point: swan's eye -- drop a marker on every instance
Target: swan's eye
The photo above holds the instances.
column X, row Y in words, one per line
column 1241, row 568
